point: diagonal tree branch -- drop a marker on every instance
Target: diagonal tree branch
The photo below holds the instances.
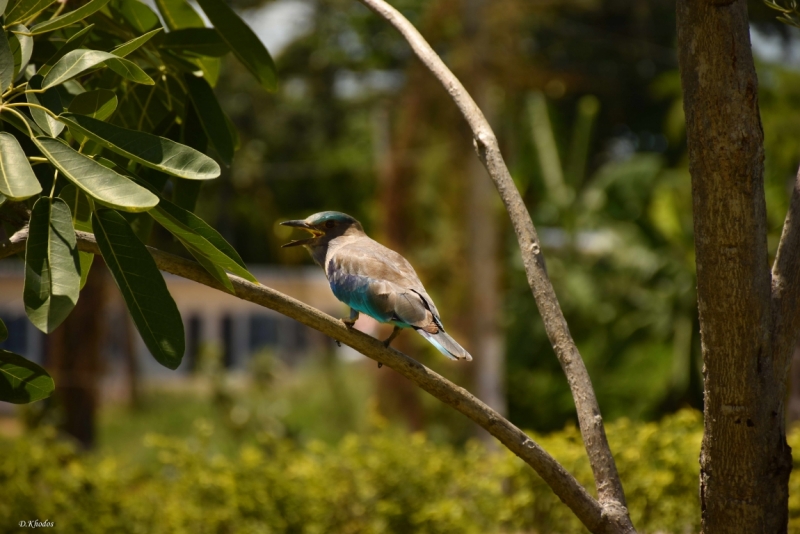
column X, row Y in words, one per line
column 786, row 287
column 568, row 489
column 609, row 486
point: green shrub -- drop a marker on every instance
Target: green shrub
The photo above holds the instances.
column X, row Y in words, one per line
column 381, row 481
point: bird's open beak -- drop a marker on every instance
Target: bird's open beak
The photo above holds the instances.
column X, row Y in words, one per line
column 304, row 225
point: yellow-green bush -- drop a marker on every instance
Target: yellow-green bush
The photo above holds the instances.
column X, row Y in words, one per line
column 383, row 481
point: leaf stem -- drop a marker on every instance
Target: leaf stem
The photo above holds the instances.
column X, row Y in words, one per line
column 20, row 116
column 53, row 189
column 28, row 104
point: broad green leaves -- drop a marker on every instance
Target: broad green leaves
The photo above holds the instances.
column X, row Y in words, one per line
column 98, row 104
column 51, row 100
column 152, row 308
column 6, row 63
column 201, row 42
column 150, row 150
column 242, row 41
column 126, row 48
column 21, row 380
column 154, row 132
column 81, row 60
column 17, row 180
column 21, row 47
column 97, row 181
column 211, row 116
column 82, row 220
column 179, row 14
column 201, row 239
column 69, row 18
column 73, row 43
column 52, row 267
column 138, row 15
column 25, row 9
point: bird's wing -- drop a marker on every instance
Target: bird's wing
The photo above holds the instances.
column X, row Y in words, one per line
column 380, row 282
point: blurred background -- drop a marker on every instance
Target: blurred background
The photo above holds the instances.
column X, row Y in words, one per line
column 584, row 96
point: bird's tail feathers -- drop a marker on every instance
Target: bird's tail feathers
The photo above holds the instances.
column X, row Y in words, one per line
column 446, row 345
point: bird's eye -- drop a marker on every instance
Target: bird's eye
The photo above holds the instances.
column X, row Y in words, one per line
column 330, row 224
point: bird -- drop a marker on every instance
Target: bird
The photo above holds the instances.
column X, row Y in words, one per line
column 373, row 279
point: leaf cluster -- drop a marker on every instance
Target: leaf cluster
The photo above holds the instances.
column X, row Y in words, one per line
column 107, row 121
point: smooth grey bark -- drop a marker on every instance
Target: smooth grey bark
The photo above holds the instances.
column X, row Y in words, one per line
column 604, row 469
column 590, row 512
column 748, row 317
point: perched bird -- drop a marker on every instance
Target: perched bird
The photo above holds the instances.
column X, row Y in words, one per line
column 373, row 279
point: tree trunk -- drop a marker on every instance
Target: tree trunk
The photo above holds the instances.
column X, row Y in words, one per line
column 75, row 349
column 486, row 339
column 744, row 461
column 396, row 171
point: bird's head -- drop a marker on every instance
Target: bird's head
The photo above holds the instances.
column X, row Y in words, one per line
column 323, row 226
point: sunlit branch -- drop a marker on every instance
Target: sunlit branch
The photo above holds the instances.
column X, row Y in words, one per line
column 607, row 481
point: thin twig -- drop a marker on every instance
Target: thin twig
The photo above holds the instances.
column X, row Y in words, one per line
column 607, row 481
column 569, row 490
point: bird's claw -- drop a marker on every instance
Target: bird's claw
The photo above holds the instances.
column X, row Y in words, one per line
column 349, row 323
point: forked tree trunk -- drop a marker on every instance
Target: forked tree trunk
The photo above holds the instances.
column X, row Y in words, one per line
column 744, row 461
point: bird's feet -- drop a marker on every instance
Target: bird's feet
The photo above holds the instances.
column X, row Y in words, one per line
column 349, row 322
column 388, row 340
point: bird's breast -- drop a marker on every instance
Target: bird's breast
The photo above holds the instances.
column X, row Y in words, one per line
column 356, row 291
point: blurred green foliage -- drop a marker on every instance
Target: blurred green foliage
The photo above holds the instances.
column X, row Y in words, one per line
column 383, row 480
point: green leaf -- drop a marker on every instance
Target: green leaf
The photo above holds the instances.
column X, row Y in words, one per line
column 82, row 220
column 237, row 141
column 98, row 104
column 242, row 41
column 69, row 18
column 21, row 380
column 51, row 100
column 126, row 48
column 197, row 225
column 73, row 43
column 202, row 228
column 3, row 331
column 52, row 266
column 25, row 9
column 137, row 14
column 97, row 181
column 195, row 42
column 17, row 180
column 148, row 149
column 179, row 14
column 211, row 67
column 217, row 272
column 3, row 199
column 80, row 60
column 177, row 226
column 3, row 6
column 21, row 47
column 6, row 63
column 151, row 306
column 211, row 116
